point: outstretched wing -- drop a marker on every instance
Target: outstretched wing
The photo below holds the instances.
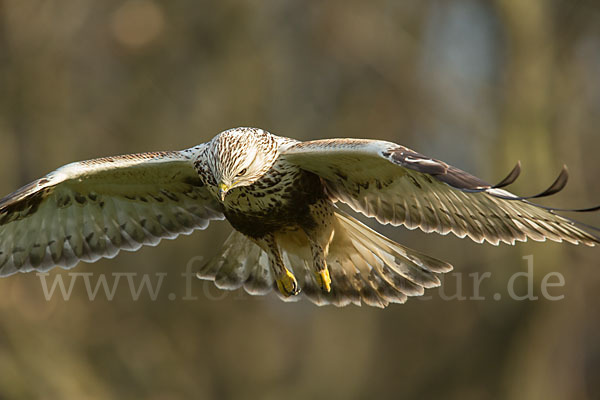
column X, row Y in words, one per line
column 92, row 209
column 399, row 186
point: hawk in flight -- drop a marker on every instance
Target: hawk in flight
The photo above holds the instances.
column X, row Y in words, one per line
column 279, row 195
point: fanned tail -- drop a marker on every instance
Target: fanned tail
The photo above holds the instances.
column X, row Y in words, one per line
column 365, row 267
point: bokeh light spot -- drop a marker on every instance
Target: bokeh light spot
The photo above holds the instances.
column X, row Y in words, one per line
column 137, row 23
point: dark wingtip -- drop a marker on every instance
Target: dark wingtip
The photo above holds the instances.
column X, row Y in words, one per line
column 511, row 177
column 559, row 184
column 591, row 209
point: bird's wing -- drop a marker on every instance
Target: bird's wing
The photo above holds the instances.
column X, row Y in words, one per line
column 92, row 209
column 399, row 186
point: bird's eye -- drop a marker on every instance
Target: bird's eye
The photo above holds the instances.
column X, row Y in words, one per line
column 242, row 172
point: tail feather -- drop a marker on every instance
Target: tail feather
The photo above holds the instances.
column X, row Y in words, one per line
column 365, row 267
column 240, row 263
column 227, row 269
column 260, row 279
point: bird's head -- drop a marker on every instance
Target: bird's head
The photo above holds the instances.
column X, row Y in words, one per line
column 240, row 157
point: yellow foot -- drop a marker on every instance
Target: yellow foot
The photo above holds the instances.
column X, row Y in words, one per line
column 324, row 280
column 287, row 285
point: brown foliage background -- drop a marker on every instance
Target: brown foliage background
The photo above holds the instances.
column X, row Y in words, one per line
column 479, row 84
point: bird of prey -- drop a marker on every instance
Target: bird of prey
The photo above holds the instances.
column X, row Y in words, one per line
column 279, row 195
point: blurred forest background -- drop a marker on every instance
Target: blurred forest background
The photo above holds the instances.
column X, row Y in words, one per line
column 479, row 84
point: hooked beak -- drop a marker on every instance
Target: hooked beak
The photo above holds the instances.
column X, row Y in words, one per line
column 223, row 188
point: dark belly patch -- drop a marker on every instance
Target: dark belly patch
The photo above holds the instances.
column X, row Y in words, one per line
column 288, row 209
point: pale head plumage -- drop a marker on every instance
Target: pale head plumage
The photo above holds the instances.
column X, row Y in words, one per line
column 241, row 156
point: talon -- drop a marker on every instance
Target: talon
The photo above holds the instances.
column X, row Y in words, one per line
column 287, row 285
column 324, row 280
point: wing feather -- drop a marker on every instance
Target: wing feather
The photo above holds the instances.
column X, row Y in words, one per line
column 397, row 186
column 92, row 209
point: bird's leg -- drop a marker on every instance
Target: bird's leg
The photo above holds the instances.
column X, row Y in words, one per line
column 285, row 279
column 320, row 264
column 320, row 234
